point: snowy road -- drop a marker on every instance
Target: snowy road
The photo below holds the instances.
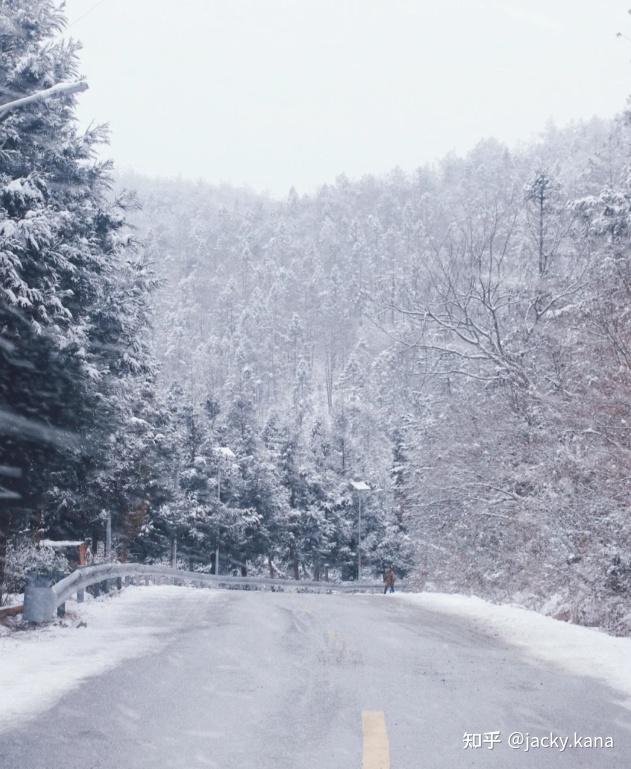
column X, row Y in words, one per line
column 286, row 681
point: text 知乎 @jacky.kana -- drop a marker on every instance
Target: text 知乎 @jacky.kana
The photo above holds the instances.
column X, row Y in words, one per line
column 526, row 742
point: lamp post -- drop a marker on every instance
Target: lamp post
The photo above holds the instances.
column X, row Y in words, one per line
column 47, row 93
column 224, row 454
column 360, row 488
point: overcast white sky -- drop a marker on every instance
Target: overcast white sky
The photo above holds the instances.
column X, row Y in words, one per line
column 272, row 93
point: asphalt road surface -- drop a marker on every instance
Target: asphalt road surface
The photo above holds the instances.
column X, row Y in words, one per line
column 298, row 681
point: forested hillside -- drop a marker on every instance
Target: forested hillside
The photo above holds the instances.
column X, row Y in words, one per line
column 214, row 368
column 457, row 337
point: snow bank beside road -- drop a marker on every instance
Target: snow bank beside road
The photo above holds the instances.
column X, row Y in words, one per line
column 38, row 667
column 580, row 650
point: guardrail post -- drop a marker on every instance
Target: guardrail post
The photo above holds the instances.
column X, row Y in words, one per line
column 80, row 596
column 39, row 600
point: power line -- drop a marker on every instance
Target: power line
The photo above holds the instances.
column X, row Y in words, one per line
column 87, row 13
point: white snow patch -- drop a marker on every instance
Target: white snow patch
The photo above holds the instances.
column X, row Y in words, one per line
column 579, row 650
column 61, row 542
column 38, row 667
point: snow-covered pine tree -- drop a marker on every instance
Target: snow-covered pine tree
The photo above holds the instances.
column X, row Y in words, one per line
column 73, row 291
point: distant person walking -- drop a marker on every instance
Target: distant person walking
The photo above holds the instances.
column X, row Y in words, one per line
column 388, row 580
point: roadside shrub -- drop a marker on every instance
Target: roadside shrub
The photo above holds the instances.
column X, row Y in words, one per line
column 24, row 556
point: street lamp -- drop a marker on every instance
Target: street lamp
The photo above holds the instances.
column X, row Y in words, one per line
column 55, row 90
column 360, row 488
column 224, row 454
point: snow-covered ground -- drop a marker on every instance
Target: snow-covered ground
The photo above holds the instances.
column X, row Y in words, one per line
column 580, row 650
column 38, row 667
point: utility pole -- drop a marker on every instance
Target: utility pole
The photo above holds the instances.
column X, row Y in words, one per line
column 108, row 537
column 108, row 546
column 359, row 539
column 174, row 553
column 218, row 500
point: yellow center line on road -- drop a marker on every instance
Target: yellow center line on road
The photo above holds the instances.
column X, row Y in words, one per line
column 376, row 746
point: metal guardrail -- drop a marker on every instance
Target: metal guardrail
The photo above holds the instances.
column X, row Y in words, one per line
column 42, row 601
